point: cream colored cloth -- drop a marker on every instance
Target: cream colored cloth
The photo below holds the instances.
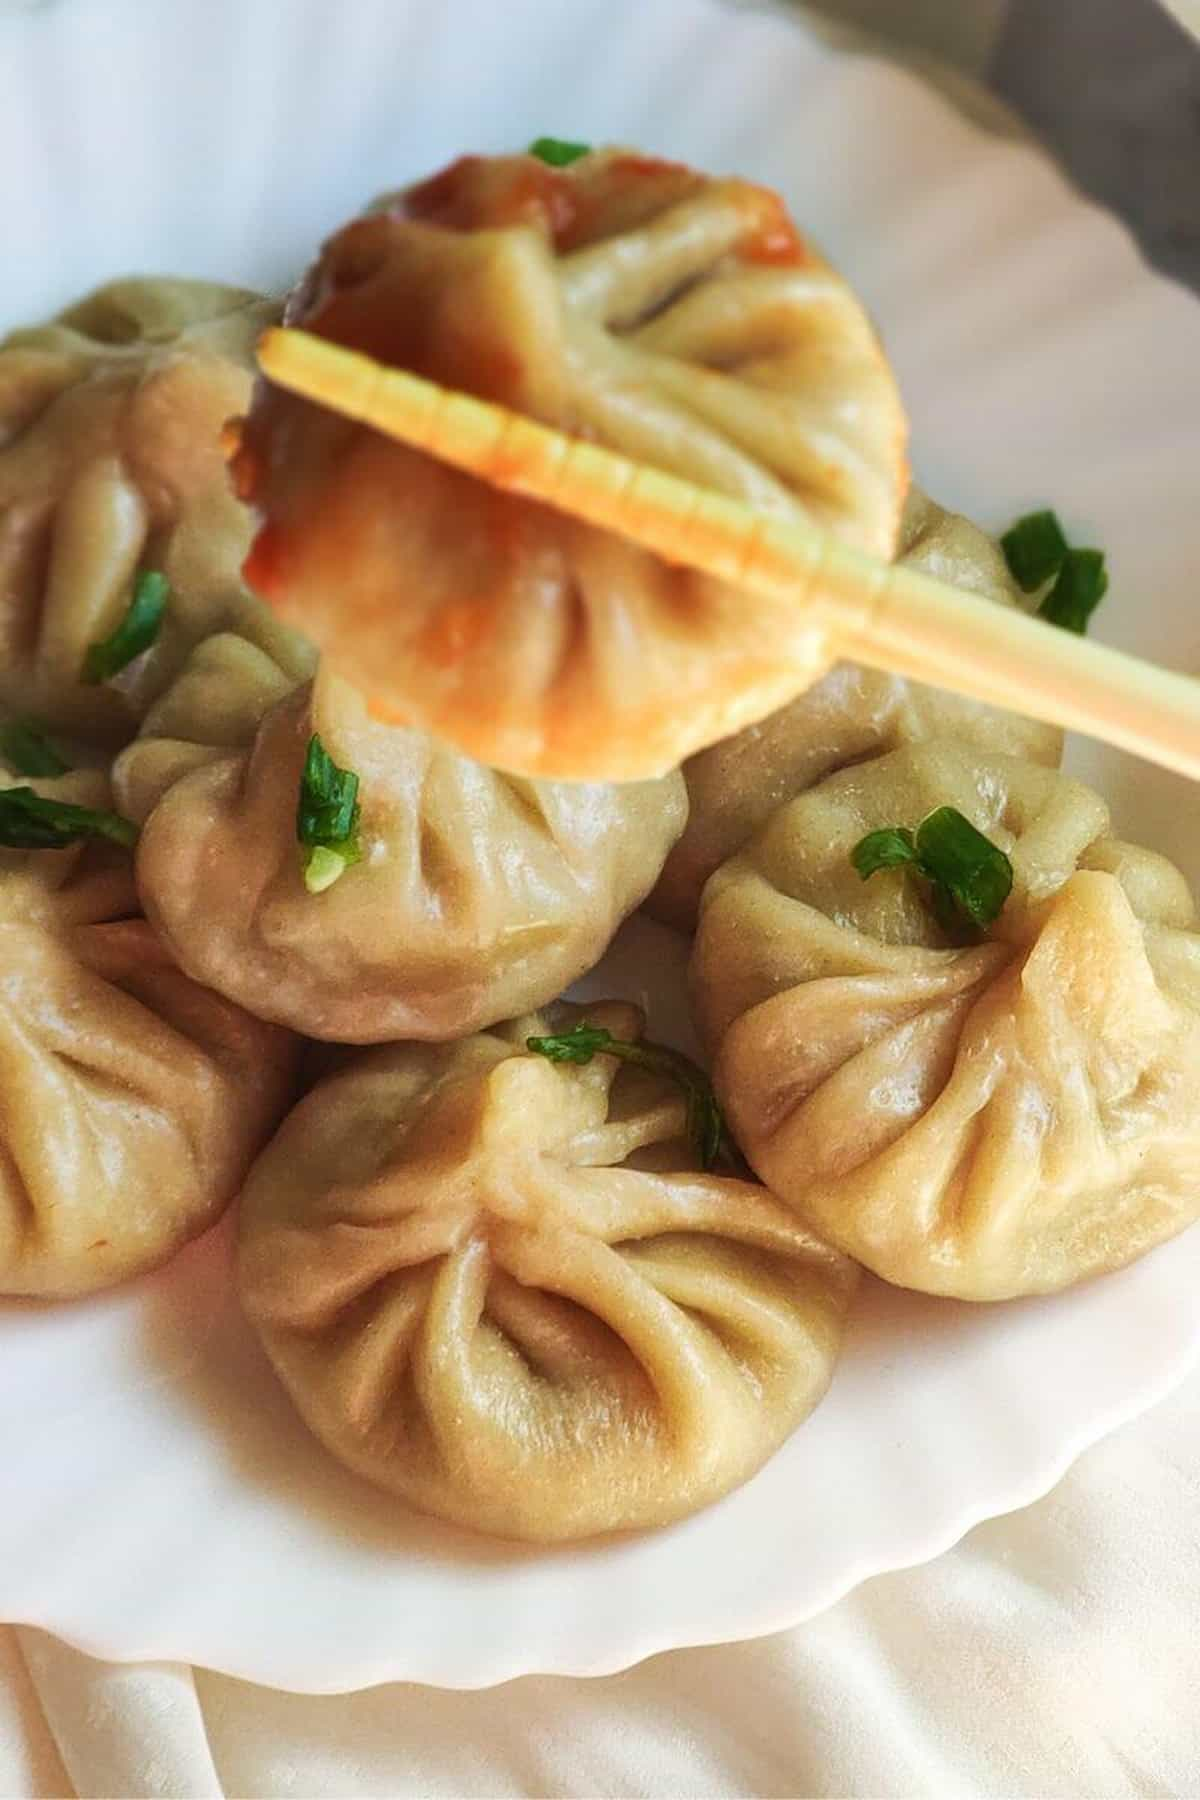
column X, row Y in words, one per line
column 1055, row 1652
column 1187, row 12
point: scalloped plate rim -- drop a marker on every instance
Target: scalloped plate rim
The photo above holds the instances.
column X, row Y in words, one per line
column 612, row 1661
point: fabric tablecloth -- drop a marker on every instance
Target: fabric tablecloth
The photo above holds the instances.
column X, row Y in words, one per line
column 1054, row 1652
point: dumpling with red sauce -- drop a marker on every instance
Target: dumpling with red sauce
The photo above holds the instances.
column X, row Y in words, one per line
column 677, row 318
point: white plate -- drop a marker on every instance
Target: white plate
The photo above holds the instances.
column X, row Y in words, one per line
column 158, row 1497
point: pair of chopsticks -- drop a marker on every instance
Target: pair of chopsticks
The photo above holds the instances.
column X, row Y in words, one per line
column 887, row 615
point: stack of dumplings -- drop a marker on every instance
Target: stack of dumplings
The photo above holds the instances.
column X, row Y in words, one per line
column 985, row 1114
column 514, row 1262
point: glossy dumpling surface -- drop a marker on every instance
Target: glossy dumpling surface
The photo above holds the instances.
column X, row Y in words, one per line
column 500, row 1288
column 478, row 894
column 677, row 318
column 982, row 1119
column 849, row 715
column 111, row 464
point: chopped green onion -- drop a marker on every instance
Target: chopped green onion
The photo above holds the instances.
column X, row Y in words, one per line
column 327, row 819
column 970, row 877
column 890, row 848
column 558, row 152
column 965, row 864
column 578, row 1045
column 1082, row 584
column 136, row 632
column 322, row 867
column 25, row 748
column 29, row 822
column 706, row 1130
column 1034, row 549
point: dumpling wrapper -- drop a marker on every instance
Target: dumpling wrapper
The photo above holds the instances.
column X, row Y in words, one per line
column 478, row 896
column 500, row 1288
column 849, row 715
column 110, row 464
column 982, row 1120
column 134, row 1099
column 214, row 706
column 677, row 318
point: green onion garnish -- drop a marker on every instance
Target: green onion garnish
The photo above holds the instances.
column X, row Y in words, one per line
column 890, row 848
column 971, row 878
column 26, row 749
column 706, row 1128
column 1034, row 549
column 29, row 822
column 136, row 632
column 1037, row 551
column 327, row 819
column 1081, row 585
column 558, row 152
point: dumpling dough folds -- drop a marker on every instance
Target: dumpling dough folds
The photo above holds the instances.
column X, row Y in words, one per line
column 478, row 896
column 111, row 463
column 214, row 706
column 500, row 1288
column 134, row 1099
column 675, row 317
column 979, row 1119
column 849, row 715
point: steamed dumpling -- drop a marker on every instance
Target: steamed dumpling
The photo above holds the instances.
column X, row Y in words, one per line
column 985, row 1119
column 134, row 1099
column 478, row 895
column 851, row 714
column 501, row 1289
column 677, row 318
column 111, row 464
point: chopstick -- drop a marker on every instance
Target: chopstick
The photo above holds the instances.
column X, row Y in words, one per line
column 887, row 615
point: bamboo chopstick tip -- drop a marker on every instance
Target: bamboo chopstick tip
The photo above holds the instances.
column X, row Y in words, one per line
column 267, row 349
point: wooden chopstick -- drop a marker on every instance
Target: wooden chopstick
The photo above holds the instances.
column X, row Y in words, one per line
column 888, row 615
